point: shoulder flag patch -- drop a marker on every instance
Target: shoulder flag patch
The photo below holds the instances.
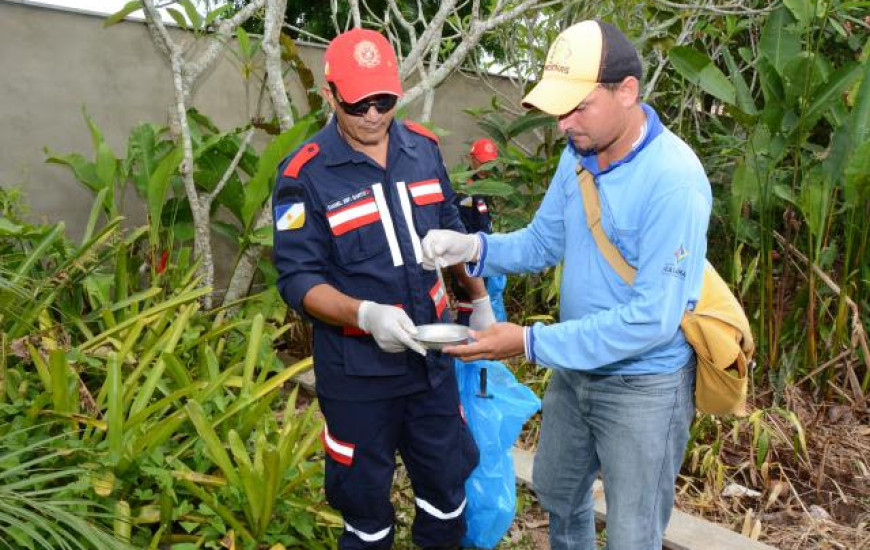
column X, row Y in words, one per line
column 299, row 160
column 418, row 128
column 290, row 216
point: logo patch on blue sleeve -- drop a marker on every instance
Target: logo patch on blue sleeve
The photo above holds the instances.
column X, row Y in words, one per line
column 290, row 216
column 681, row 254
column 674, row 269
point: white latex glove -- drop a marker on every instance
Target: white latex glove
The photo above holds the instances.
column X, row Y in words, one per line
column 390, row 326
column 449, row 248
column 482, row 315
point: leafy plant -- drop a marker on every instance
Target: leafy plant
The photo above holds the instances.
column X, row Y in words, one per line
column 151, row 168
column 42, row 503
column 800, row 122
column 176, row 406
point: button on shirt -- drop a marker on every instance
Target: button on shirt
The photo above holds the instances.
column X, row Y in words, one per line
column 361, row 232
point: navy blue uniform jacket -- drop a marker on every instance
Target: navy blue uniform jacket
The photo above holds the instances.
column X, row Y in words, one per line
column 343, row 220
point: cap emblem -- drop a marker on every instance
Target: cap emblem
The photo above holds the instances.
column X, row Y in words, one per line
column 559, row 55
column 366, row 54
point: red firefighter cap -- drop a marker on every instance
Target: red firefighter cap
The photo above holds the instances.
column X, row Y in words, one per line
column 484, row 150
column 361, row 63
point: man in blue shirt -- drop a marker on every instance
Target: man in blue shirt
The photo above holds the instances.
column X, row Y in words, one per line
column 621, row 398
column 351, row 208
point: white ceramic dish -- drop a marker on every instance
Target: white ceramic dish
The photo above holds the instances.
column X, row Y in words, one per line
column 439, row 335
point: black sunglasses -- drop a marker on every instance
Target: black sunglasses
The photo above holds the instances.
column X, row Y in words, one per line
column 381, row 102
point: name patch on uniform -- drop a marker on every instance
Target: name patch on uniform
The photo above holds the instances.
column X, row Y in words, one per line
column 348, row 199
column 426, row 192
column 290, row 216
column 352, row 212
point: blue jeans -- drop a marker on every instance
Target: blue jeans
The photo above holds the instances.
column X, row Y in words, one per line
column 633, row 429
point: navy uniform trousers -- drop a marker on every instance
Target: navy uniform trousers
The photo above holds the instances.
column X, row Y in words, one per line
column 361, row 440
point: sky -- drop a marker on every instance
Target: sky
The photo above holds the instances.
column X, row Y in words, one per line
column 96, row 6
column 104, row 6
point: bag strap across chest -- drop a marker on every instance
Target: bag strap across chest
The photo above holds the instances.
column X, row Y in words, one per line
column 592, row 206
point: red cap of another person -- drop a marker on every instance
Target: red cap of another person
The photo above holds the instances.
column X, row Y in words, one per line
column 361, row 63
column 484, row 150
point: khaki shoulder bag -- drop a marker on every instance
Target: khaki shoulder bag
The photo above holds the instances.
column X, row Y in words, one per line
column 717, row 328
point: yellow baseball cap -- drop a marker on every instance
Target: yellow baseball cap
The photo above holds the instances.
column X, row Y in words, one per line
column 582, row 56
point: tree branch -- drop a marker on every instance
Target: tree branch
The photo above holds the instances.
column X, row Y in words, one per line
column 470, row 40
column 222, row 35
column 243, row 275
column 686, row 31
column 734, row 8
column 429, row 100
column 303, row 32
column 354, row 12
column 209, row 199
column 271, row 44
column 409, row 28
column 333, row 4
column 202, row 242
column 418, row 50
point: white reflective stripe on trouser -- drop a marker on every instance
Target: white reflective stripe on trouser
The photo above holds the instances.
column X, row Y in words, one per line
column 368, row 537
column 409, row 219
column 387, row 221
column 435, row 512
column 344, row 451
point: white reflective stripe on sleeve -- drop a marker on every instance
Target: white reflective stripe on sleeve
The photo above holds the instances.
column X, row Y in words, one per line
column 368, row 537
column 409, row 219
column 435, row 512
column 387, row 221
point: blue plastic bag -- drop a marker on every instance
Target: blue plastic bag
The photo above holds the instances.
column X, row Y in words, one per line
column 495, row 422
column 495, row 286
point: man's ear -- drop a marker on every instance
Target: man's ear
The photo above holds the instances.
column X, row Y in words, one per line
column 327, row 94
column 629, row 91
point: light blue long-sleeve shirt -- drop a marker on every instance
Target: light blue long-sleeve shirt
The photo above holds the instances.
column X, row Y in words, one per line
column 655, row 207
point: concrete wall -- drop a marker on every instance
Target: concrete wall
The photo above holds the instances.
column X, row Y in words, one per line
column 53, row 62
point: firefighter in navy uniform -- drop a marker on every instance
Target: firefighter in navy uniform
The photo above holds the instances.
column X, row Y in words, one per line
column 351, row 207
column 477, row 217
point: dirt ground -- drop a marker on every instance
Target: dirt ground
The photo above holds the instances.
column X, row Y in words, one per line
column 813, row 500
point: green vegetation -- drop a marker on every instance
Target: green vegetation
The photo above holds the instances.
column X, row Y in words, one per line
column 134, row 417
column 128, row 410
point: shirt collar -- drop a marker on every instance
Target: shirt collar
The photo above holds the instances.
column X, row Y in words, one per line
column 652, row 128
column 401, row 136
column 338, row 151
